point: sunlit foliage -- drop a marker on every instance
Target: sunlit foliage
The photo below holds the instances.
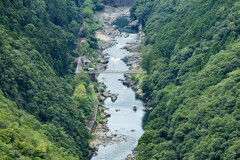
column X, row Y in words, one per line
column 39, row 117
column 192, row 55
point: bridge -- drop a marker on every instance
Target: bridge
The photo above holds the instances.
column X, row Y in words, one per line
column 116, row 72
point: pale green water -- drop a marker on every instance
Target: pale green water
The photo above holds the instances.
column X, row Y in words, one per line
column 126, row 119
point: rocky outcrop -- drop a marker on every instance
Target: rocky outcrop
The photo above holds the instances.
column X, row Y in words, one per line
column 148, row 109
column 138, row 91
column 133, row 61
column 129, row 83
column 133, row 155
column 103, row 136
column 104, row 94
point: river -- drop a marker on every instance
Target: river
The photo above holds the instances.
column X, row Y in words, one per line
column 126, row 123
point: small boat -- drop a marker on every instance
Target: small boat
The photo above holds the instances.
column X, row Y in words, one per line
column 134, row 107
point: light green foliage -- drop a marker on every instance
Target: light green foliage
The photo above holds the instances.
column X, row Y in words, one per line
column 87, row 13
column 192, row 55
column 89, row 46
column 23, row 137
column 136, row 78
column 29, row 81
column 88, row 32
column 83, row 99
column 92, row 93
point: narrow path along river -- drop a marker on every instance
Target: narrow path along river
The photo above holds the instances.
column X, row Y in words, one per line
column 126, row 123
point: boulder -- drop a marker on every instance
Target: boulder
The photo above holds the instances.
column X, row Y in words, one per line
column 101, row 98
column 108, row 115
column 117, row 110
column 121, row 80
column 133, row 23
column 104, row 121
column 148, row 109
column 105, row 94
column 113, row 97
column 104, row 61
column 139, row 93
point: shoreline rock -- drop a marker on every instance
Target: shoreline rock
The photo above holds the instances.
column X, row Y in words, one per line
column 102, row 134
column 133, row 155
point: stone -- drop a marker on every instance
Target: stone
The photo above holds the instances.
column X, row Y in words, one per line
column 139, row 93
column 114, row 97
column 105, row 121
column 105, row 94
column 104, row 61
column 102, row 98
column 134, row 23
column 121, row 80
column 117, row 110
column 148, row 109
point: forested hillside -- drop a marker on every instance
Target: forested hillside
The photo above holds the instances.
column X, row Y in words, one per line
column 40, row 117
column 192, row 54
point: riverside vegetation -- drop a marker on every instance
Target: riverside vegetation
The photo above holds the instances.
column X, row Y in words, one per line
column 42, row 105
column 192, row 54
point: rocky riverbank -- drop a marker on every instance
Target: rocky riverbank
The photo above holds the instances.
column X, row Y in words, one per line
column 109, row 31
column 102, row 135
column 103, row 94
column 138, row 91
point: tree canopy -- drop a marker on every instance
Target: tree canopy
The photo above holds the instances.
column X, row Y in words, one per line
column 38, row 41
column 191, row 52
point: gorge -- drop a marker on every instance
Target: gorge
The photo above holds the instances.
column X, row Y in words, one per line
column 190, row 50
column 124, row 124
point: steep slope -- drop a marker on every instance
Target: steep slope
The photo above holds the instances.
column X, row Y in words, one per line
column 23, row 137
column 191, row 53
column 37, row 50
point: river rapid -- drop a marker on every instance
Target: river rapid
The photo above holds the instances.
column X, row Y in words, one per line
column 124, row 123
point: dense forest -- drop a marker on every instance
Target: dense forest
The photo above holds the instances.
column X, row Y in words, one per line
column 42, row 105
column 192, row 54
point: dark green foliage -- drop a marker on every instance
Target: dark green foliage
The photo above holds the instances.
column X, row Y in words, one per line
column 47, row 26
column 82, row 94
column 192, row 55
column 88, row 47
column 37, row 46
column 28, row 80
column 23, row 137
